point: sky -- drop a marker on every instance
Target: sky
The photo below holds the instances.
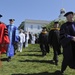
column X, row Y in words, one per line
column 21, row 10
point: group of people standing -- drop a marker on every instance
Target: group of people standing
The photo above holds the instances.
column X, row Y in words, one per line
column 51, row 39
column 60, row 37
column 11, row 39
column 57, row 37
column 8, row 38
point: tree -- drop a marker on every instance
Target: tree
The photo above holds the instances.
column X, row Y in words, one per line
column 21, row 25
column 50, row 25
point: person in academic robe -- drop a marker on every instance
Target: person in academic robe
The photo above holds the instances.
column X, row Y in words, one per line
column 12, row 36
column 54, row 41
column 43, row 41
column 4, row 39
column 67, row 39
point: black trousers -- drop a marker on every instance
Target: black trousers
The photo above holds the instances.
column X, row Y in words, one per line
column 57, row 51
column 44, row 48
column 55, row 57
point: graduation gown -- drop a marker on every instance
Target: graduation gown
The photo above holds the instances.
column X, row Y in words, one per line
column 43, row 41
column 43, row 38
column 67, row 31
column 12, row 36
column 4, row 39
column 54, row 36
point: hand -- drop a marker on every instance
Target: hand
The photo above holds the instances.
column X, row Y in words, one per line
column 73, row 38
column 2, row 45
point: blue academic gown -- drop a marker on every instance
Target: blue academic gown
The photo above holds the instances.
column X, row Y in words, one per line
column 12, row 36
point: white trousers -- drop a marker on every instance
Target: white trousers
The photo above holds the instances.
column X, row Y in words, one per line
column 26, row 44
column 20, row 46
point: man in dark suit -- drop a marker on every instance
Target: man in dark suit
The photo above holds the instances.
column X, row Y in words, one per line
column 67, row 39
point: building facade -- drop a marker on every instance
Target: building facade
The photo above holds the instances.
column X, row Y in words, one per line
column 34, row 26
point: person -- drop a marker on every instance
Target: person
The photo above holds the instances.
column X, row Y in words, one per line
column 33, row 39
column 43, row 41
column 12, row 36
column 26, row 38
column 54, row 41
column 17, row 39
column 67, row 39
column 30, row 38
column 21, row 41
column 4, row 39
column 36, row 39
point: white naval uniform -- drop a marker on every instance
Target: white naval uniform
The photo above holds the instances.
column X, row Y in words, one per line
column 22, row 40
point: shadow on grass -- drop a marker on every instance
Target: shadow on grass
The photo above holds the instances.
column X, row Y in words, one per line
column 31, row 55
column 32, row 51
column 3, row 59
column 44, row 73
column 38, row 61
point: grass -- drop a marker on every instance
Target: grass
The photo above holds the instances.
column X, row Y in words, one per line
column 30, row 62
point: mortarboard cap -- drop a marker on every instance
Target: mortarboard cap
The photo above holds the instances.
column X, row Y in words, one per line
column 68, row 13
column 56, row 22
column 0, row 15
column 43, row 27
column 11, row 19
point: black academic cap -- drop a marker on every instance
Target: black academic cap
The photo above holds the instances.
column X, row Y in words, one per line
column 11, row 19
column 68, row 13
column 43, row 27
column 56, row 22
column 0, row 15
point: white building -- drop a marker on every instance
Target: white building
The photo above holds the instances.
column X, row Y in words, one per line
column 34, row 26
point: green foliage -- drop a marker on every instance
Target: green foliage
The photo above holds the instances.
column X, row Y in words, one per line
column 50, row 25
column 21, row 25
column 61, row 22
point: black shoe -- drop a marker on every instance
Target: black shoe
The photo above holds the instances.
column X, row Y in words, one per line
column 14, row 53
column 56, row 63
column 8, row 59
column 43, row 53
column 62, row 72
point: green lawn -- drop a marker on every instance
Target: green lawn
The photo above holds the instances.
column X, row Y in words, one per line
column 30, row 62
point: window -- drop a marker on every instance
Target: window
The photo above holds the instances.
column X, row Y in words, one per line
column 38, row 27
column 31, row 26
